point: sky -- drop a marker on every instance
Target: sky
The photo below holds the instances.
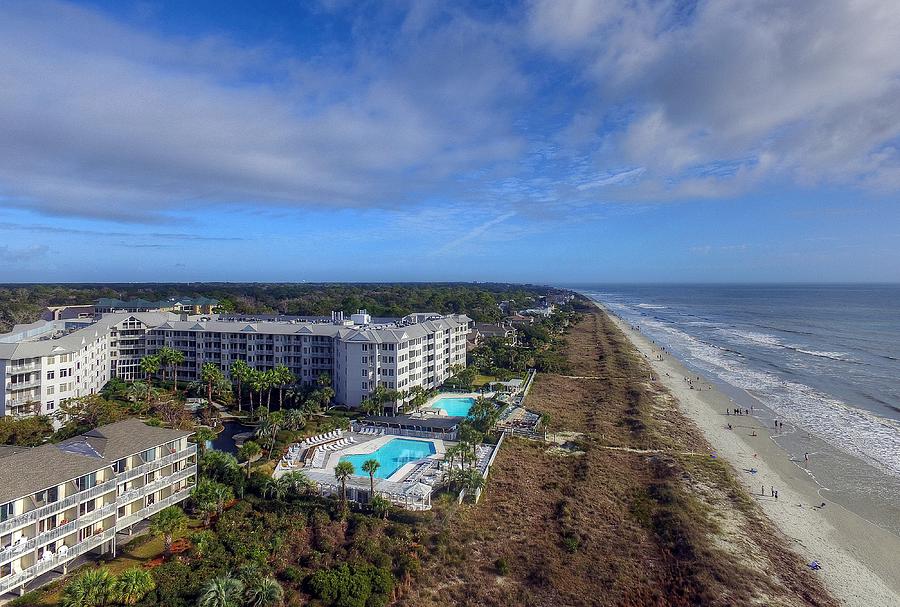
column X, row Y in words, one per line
column 551, row 141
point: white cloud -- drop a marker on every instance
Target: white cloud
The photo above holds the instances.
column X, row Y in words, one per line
column 103, row 120
column 804, row 90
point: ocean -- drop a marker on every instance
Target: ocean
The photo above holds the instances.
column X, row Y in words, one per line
column 823, row 359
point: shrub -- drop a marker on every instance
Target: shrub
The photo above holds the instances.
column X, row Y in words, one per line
column 502, row 566
column 571, row 543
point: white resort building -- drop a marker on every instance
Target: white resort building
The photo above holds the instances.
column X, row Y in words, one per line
column 44, row 363
column 61, row 501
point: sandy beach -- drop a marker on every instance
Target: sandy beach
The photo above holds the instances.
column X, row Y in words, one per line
column 860, row 561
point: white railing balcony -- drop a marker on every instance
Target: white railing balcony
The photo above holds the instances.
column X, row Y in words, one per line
column 44, row 565
column 136, row 517
column 15, row 550
column 22, row 385
column 156, row 485
column 23, row 368
column 99, row 514
column 157, row 464
column 57, row 506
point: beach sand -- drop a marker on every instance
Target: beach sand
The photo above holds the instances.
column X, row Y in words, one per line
column 860, row 561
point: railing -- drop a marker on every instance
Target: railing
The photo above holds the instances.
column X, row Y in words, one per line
column 96, row 515
column 131, row 519
column 23, row 368
column 156, row 464
column 31, row 383
column 44, row 538
column 159, row 483
column 67, row 502
column 26, row 575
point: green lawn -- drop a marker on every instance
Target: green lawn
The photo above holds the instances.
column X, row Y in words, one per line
column 481, row 380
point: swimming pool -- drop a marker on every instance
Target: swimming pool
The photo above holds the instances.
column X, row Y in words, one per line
column 456, row 406
column 392, row 456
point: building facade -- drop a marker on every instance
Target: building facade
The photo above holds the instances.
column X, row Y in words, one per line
column 44, row 363
column 61, row 501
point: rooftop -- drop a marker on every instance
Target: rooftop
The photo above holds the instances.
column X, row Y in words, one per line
column 26, row 471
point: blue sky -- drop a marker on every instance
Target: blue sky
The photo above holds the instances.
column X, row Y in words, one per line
column 548, row 141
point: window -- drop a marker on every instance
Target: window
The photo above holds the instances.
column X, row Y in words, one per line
column 50, row 390
column 51, row 405
column 7, row 511
column 149, row 455
column 86, row 482
column 51, row 374
column 365, row 373
column 48, row 496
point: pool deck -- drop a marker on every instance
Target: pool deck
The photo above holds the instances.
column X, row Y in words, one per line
column 370, row 446
column 429, row 407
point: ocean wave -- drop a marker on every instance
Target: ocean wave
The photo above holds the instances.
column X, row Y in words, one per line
column 753, row 337
column 831, row 355
column 647, row 306
column 857, row 432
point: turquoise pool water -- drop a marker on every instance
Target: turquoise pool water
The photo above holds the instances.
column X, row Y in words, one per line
column 392, row 456
column 457, row 406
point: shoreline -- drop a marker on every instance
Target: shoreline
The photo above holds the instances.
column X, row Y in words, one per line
column 856, row 555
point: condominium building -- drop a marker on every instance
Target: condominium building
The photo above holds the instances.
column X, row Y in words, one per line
column 43, row 363
column 61, row 501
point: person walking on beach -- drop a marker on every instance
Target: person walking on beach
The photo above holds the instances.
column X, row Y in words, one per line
column 806, row 456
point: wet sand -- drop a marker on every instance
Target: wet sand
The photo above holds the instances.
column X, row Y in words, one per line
column 860, row 560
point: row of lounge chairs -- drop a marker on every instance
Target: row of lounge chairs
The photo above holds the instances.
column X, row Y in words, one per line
column 321, row 438
column 370, row 431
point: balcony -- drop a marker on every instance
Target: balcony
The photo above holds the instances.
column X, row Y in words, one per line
column 15, row 580
column 15, row 550
column 156, row 485
column 131, row 519
column 57, row 506
column 156, row 464
column 23, row 368
column 23, row 385
column 99, row 514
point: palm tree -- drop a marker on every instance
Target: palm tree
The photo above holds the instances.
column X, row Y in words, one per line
column 249, row 451
column 150, row 366
column 222, row 591
column 342, row 472
column 282, row 376
column 205, row 496
column 270, row 381
column 294, row 419
column 276, row 421
column 203, row 435
column 298, row 482
column 133, row 585
column 177, row 359
column 473, row 482
column 266, row 592
column 167, row 523
column 210, row 374
column 93, row 588
column 171, row 358
column 380, row 506
column 276, row 488
column 240, row 372
column 257, row 384
column 371, row 466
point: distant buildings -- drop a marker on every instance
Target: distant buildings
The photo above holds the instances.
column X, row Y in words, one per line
column 188, row 305
column 61, row 501
column 484, row 330
column 44, row 363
